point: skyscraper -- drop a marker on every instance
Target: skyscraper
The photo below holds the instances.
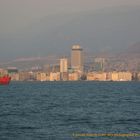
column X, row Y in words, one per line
column 77, row 58
column 63, row 65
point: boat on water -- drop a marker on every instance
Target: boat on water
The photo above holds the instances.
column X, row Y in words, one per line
column 5, row 80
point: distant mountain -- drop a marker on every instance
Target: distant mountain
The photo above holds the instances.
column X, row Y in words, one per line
column 27, row 63
column 134, row 49
column 132, row 52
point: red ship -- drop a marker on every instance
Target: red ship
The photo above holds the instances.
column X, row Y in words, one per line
column 5, row 80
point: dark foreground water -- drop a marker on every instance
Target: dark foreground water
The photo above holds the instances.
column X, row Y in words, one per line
column 57, row 110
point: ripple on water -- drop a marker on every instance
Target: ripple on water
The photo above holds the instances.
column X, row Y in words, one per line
column 54, row 111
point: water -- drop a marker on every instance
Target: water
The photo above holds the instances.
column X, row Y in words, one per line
column 57, row 110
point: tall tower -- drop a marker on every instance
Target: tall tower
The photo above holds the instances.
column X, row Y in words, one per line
column 63, row 65
column 77, row 58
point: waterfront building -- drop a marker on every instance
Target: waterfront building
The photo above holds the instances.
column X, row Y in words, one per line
column 41, row 76
column 14, row 76
column 120, row 76
column 55, row 76
column 97, row 76
column 114, row 76
column 13, row 73
column 64, row 76
column 24, row 76
column 135, row 76
column 138, row 76
column 125, row 76
column 90, row 76
column 77, row 58
column 73, row 76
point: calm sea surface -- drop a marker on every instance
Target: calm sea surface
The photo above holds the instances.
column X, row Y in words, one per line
column 57, row 110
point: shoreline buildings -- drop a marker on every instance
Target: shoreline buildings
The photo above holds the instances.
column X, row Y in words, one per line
column 74, row 71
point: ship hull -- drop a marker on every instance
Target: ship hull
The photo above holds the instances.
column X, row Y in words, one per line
column 5, row 80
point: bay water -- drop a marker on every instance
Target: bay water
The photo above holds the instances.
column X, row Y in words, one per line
column 66, row 110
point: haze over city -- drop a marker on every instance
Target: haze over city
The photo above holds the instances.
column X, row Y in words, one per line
column 32, row 28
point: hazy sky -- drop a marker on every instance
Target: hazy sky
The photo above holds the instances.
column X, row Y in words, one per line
column 15, row 15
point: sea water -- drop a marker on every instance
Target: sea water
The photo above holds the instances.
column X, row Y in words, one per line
column 64, row 110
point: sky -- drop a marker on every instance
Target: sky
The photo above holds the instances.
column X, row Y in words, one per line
column 18, row 15
column 15, row 14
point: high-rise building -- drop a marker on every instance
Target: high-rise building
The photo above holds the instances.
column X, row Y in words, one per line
column 99, row 64
column 63, row 65
column 77, row 58
column 64, row 69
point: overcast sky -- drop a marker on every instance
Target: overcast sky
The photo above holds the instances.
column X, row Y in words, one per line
column 16, row 15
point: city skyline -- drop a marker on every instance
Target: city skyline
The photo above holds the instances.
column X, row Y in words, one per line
column 69, row 69
column 75, row 69
column 77, row 58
